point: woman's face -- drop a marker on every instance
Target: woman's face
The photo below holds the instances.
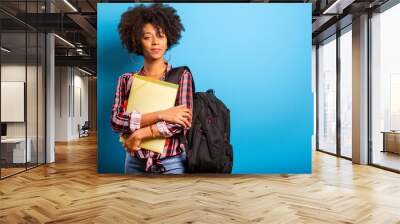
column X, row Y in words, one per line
column 154, row 44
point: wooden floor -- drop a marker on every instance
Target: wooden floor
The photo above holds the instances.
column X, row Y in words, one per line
column 387, row 159
column 5, row 172
column 70, row 191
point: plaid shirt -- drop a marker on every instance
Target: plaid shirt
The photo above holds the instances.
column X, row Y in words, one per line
column 126, row 123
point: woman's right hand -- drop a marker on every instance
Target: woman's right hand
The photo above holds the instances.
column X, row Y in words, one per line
column 179, row 115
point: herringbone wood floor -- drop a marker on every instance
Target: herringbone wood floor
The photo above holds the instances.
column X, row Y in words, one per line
column 70, row 191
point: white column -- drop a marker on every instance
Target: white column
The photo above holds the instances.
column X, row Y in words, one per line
column 360, row 90
column 50, row 93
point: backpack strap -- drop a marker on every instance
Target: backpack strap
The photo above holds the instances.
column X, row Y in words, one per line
column 175, row 74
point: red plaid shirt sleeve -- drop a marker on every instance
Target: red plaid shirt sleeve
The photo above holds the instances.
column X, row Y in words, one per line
column 184, row 97
column 122, row 121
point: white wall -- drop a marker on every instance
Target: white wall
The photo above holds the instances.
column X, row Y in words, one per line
column 61, row 103
column 15, row 72
column 34, row 106
column 70, row 83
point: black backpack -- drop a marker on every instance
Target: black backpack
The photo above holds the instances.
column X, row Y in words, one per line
column 207, row 143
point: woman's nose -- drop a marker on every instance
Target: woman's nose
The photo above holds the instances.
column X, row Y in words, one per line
column 155, row 41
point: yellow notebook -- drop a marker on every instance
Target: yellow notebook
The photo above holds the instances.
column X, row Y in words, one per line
column 149, row 95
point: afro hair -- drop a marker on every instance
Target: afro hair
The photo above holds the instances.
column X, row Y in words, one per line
column 161, row 16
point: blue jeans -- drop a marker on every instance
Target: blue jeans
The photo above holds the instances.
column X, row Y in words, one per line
column 173, row 165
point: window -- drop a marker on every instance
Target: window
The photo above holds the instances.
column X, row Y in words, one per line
column 385, row 88
column 346, row 92
column 327, row 95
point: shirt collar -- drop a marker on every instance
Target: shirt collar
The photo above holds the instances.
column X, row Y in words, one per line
column 169, row 67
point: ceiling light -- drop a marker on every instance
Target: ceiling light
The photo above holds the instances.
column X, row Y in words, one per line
column 5, row 50
column 86, row 72
column 338, row 6
column 65, row 41
column 70, row 5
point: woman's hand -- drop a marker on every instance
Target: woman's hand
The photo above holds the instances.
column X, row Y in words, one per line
column 133, row 142
column 179, row 115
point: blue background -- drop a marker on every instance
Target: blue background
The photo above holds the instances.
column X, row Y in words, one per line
column 257, row 57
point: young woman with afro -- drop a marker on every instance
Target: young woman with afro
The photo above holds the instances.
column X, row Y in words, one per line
column 150, row 31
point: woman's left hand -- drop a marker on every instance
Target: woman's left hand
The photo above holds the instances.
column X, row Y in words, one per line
column 133, row 142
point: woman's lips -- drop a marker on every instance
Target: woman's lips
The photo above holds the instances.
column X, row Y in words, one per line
column 155, row 50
